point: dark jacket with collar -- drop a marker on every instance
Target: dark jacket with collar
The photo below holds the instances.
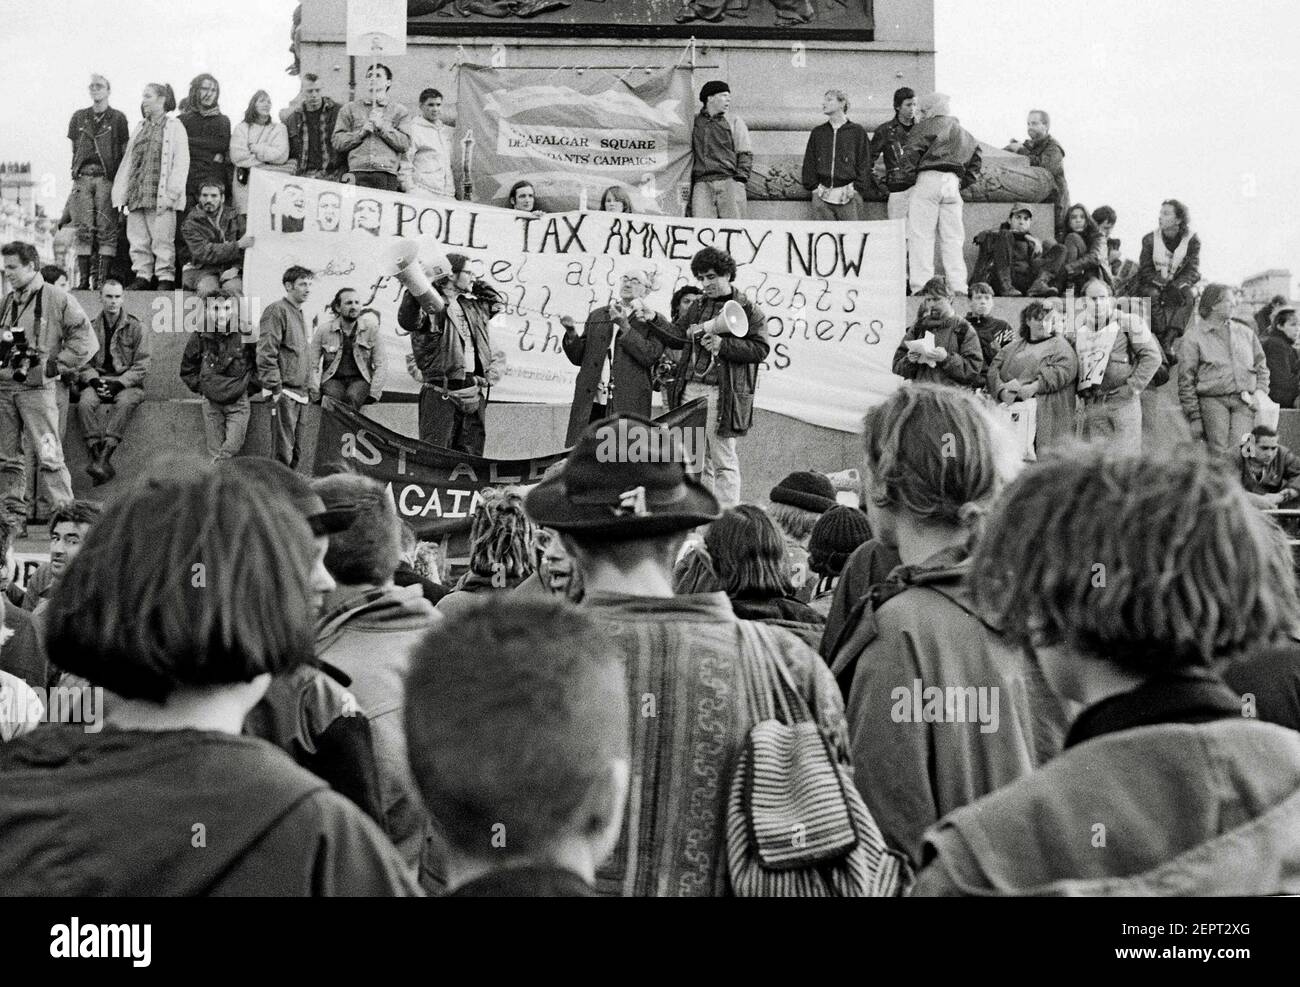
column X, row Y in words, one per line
column 962, row 367
column 889, row 139
column 635, row 354
column 130, row 348
column 213, row 243
column 1283, row 368
column 105, row 143
column 940, row 143
column 219, row 366
column 435, row 343
column 737, row 364
column 836, row 157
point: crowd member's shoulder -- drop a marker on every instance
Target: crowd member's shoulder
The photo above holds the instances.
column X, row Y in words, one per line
column 353, row 857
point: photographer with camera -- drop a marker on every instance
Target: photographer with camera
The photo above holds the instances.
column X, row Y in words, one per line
column 452, row 351
column 44, row 334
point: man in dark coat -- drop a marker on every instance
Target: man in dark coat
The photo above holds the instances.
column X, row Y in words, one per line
column 616, row 354
column 720, row 365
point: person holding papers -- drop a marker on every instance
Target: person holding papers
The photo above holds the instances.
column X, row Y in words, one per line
column 1039, row 365
column 940, row 348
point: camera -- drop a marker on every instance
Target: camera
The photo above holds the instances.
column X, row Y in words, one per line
column 16, row 353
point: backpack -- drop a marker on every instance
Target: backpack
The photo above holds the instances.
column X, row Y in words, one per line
column 796, row 824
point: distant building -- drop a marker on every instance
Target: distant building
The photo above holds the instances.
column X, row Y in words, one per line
column 1259, row 288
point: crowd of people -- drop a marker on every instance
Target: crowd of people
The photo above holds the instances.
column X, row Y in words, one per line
column 1037, row 662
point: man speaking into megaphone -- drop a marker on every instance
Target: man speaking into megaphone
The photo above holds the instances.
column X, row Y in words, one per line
column 722, row 336
column 446, row 311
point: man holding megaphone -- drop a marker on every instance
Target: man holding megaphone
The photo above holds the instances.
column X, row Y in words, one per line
column 616, row 354
column 723, row 339
column 446, row 311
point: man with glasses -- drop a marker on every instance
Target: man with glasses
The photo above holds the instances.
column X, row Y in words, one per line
column 615, row 353
column 99, row 135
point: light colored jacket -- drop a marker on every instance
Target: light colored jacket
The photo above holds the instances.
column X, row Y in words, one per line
column 912, row 770
column 427, row 166
column 327, row 349
column 173, row 174
column 21, row 709
column 64, row 334
column 1208, row 809
column 368, row 633
column 257, row 145
column 1220, row 361
column 381, row 150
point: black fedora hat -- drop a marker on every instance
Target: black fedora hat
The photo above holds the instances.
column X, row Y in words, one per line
column 626, row 478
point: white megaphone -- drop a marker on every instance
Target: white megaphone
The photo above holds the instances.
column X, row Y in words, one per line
column 414, row 267
column 731, row 319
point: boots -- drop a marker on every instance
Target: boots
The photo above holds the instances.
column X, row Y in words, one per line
column 1043, row 287
column 94, row 467
column 106, row 449
column 83, row 272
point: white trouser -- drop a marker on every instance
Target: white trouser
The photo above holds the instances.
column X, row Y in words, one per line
column 935, row 204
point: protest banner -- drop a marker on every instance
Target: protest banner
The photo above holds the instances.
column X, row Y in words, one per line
column 436, row 490
column 832, row 293
column 572, row 136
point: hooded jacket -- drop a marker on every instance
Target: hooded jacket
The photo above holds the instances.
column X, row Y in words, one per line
column 368, row 633
column 912, row 766
column 179, row 813
column 962, row 367
column 1190, row 808
column 940, row 143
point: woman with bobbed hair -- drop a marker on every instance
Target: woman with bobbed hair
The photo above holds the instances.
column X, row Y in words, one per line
column 749, row 560
column 188, row 595
column 934, row 462
column 1129, row 578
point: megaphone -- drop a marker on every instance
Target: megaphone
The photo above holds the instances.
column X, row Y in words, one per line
column 413, row 271
column 731, row 319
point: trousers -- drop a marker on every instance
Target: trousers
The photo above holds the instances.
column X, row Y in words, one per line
column 934, row 206
column 721, row 460
column 30, row 413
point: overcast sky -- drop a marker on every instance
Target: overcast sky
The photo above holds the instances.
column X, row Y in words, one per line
column 1152, row 99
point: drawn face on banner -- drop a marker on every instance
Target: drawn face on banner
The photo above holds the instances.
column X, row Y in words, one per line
column 329, row 207
column 288, row 209
column 366, row 215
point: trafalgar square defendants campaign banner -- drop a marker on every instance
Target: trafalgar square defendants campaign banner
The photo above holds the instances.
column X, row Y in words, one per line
column 572, row 136
column 832, row 293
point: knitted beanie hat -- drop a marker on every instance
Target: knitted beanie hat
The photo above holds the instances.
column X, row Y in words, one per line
column 834, row 537
column 457, row 262
column 712, row 89
column 811, row 491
